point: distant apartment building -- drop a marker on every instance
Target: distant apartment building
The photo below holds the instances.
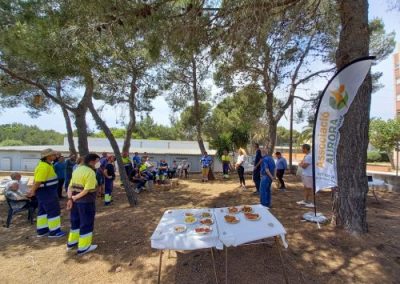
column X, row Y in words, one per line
column 396, row 62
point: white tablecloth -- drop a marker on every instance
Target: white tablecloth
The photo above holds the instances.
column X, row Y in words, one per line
column 248, row 231
column 164, row 237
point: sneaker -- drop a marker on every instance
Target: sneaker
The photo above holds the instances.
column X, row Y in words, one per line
column 91, row 248
column 302, row 202
column 71, row 248
column 310, row 205
column 137, row 190
column 42, row 235
column 57, row 235
column 244, row 188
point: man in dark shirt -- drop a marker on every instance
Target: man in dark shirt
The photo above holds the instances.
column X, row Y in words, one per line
column 69, row 166
column 256, row 170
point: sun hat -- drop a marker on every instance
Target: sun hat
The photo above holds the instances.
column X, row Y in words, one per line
column 47, row 152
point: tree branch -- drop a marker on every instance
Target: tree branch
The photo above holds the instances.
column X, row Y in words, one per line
column 37, row 85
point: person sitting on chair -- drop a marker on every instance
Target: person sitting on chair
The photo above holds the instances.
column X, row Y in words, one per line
column 16, row 192
column 138, row 180
column 162, row 171
column 172, row 170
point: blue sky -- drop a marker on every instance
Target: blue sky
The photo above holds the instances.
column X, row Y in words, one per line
column 382, row 101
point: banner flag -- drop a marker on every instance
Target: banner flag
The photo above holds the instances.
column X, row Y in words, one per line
column 333, row 105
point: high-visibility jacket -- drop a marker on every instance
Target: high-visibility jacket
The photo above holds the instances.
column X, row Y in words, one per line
column 84, row 178
column 225, row 159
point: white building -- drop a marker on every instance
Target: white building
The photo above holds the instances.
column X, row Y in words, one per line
column 25, row 158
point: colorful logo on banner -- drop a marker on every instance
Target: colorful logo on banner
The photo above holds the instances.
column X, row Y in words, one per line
column 339, row 98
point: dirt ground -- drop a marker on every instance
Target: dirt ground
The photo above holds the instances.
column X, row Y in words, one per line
column 325, row 255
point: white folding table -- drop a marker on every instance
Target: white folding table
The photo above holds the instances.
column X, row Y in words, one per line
column 248, row 232
column 165, row 238
column 223, row 235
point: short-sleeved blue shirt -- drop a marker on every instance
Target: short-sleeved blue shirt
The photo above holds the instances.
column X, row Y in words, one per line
column 59, row 168
column 206, row 161
column 267, row 163
column 281, row 164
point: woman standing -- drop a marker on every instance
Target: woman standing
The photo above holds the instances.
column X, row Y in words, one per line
column 109, row 174
column 82, row 203
column 239, row 167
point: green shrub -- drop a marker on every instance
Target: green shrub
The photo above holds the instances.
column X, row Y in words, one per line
column 11, row 142
column 373, row 156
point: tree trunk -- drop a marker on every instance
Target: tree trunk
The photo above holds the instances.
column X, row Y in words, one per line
column 68, row 125
column 271, row 136
column 196, row 107
column 70, row 132
column 291, row 138
column 114, row 145
column 132, row 117
column 349, row 199
column 81, row 128
column 391, row 158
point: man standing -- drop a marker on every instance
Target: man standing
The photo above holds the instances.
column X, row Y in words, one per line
column 267, row 175
column 104, row 159
column 109, row 174
column 281, row 166
column 206, row 162
column 226, row 164
column 307, row 177
column 59, row 168
column 69, row 166
column 45, row 189
column 81, row 202
column 257, row 167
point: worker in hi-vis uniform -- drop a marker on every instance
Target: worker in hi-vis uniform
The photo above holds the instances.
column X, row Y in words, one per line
column 82, row 203
column 45, row 181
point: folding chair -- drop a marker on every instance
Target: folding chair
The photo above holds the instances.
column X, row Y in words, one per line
column 12, row 212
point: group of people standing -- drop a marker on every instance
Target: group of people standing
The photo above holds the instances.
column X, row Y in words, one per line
column 266, row 169
column 81, row 180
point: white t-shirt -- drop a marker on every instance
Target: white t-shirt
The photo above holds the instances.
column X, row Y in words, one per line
column 240, row 160
column 307, row 171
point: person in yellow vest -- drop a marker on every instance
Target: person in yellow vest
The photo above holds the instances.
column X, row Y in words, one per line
column 226, row 164
column 127, row 163
column 45, row 181
column 82, row 203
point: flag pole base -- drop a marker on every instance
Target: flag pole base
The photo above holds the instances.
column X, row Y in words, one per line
column 318, row 218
